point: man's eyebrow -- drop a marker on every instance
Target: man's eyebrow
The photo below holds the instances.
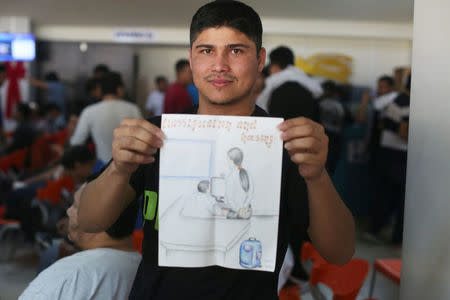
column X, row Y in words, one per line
column 204, row 46
column 238, row 45
column 208, row 46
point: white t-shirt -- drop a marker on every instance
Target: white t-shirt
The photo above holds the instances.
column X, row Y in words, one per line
column 99, row 120
column 290, row 73
column 101, row 273
column 155, row 102
column 381, row 102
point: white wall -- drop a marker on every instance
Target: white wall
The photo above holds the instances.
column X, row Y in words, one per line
column 426, row 261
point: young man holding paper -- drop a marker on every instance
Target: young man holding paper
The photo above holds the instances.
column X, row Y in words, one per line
column 225, row 57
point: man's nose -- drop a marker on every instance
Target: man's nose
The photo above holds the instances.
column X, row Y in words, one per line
column 221, row 63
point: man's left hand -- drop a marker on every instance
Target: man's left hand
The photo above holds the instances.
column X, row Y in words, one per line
column 307, row 145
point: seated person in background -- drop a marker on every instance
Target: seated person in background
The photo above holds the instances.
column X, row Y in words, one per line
column 77, row 164
column 105, row 269
column 58, row 249
column 24, row 134
column 54, row 88
column 55, row 119
column 203, row 205
column 155, row 101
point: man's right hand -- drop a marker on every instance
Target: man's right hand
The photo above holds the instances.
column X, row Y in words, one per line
column 135, row 142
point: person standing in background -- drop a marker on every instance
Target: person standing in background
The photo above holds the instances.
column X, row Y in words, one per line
column 155, row 101
column 55, row 89
column 177, row 97
column 100, row 119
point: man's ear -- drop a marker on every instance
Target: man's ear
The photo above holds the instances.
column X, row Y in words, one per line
column 261, row 59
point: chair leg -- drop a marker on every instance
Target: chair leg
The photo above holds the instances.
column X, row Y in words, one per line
column 372, row 283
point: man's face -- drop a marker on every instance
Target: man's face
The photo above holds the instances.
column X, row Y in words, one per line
column 185, row 75
column 384, row 88
column 162, row 85
column 225, row 65
column 75, row 235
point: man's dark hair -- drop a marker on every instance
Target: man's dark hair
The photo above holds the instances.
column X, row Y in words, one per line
column 124, row 226
column 3, row 68
column 76, row 154
column 52, row 106
column 388, row 79
column 265, row 72
column 25, row 110
column 329, row 88
column 282, row 56
column 91, row 84
column 408, row 83
column 234, row 14
column 110, row 82
column 102, row 68
column 181, row 63
column 160, row 79
column 51, row 76
column 76, row 107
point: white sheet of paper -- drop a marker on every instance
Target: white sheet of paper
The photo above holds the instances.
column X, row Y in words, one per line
column 219, row 191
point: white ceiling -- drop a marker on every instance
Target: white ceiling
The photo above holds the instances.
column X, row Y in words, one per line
column 175, row 13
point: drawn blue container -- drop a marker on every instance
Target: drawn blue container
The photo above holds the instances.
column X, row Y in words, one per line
column 250, row 253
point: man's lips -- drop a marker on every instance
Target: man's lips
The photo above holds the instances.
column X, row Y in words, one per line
column 220, row 82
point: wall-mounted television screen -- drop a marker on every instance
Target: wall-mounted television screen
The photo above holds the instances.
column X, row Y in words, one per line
column 17, row 47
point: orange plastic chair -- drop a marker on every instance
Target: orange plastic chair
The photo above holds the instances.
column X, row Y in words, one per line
column 6, row 224
column 310, row 257
column 16, row 159
column 345, row 281
column 138, row 237
column 290, row 293
column 53, row 190
column 391, row 268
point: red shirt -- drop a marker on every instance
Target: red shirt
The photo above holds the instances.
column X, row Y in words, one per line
column 176, row 99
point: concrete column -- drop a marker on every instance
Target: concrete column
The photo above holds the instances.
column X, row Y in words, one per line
column 426, row 251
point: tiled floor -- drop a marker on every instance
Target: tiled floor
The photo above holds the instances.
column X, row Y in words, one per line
column 18, row 272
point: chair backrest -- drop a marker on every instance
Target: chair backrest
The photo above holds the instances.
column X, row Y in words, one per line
column 53, row 190
column 345, row 281
column 310, row 253
column 16, row 159
column 138, row 237
column 290, row 293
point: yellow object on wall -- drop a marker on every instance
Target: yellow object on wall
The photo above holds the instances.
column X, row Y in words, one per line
column 333, row 66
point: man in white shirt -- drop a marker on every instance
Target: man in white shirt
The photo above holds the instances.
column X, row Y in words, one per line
column 100, row 119
column 155, row 101
column 105, row 269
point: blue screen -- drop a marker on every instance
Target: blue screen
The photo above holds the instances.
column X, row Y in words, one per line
column 17, row 47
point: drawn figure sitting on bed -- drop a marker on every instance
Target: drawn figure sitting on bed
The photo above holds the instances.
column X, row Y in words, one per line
column 203, row 205
column 238, row 185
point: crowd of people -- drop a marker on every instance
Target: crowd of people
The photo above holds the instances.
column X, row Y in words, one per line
column 84, row 195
